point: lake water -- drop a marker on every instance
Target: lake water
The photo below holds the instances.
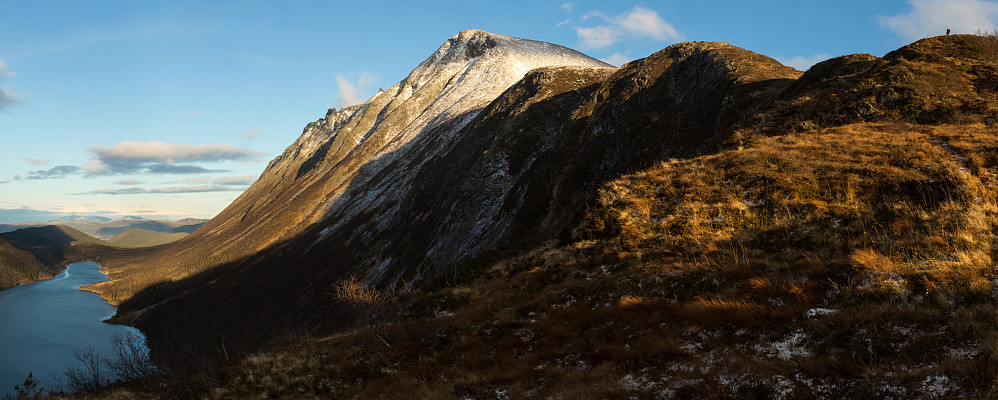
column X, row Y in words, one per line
column 43, row 323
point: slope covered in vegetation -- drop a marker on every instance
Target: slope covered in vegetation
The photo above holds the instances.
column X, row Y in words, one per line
column 18, row 266
column 136, row 237
column 825, row 236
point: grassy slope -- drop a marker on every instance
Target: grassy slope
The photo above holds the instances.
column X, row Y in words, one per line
column 18, row 266
column 829, row 259
column 136, row 237
column 852, row 261
column 107, row 230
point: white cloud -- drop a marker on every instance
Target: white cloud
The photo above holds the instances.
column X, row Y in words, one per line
column 159, row 152
column 643, row 22
column 600, row 36
column 616, row 59
column 636, row 23
column 568, row 7
column 803, row 63
column 353, row 92
column 146, row 157
column 7, row 99
column 95, row 167
column 161, row 158
column 129, row 182
column 933, row 17
column 565, row 22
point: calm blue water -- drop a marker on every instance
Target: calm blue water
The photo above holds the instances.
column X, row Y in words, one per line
column 43, row 323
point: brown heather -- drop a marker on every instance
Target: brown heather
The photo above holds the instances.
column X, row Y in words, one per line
column 836, row 243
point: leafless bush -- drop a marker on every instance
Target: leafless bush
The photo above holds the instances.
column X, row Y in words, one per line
column 132, row 358
column 369, row 302
column 357, row 292
column 89, row 376
column 130, row 362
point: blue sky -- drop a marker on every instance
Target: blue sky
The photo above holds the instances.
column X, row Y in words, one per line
column 171, row 108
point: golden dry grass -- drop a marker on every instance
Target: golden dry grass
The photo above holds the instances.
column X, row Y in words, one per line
column 848, row 262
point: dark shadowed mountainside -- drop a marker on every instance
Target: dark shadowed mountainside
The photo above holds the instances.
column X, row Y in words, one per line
column 515, row 217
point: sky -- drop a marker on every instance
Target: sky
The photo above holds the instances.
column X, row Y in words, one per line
column 170, row 109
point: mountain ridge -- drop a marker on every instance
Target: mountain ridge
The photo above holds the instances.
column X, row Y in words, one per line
column 400, row 193
column 701, row 223
column 300, row 187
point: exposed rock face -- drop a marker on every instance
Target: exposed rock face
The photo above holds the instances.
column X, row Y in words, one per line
column 437, row 99
column 468, row 156
column 408, row 186
column 347, row 147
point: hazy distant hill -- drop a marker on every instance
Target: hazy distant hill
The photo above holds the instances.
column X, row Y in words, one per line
column 107, row 229
column 79, row 219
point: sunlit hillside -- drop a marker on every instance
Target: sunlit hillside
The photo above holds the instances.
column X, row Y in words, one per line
column 18, row 266
column 701, row 223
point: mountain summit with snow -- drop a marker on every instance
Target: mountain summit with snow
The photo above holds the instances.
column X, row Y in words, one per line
column 347, row 147
column 323, row 177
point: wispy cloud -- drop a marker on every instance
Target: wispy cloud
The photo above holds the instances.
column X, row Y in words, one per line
column 55, row 172
column 7, row 99
column 129, row 182
column 933, row 17
column 638, row 22
column 169, row 190
column 251, row 134
column 354, row 91
column 568, row 7
column 41, row 162
column 145, row 158
column 803, row 63
column 162, row 158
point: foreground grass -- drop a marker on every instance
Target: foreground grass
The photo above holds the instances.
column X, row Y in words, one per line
column 846, row 262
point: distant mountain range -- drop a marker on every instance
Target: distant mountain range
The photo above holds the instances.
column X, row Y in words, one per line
column 33, row 251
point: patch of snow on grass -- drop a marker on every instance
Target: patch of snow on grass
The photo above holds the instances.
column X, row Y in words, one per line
column 814, row 312
column 786, row 349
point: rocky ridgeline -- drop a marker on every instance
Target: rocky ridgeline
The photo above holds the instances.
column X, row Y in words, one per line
column 491, row 146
